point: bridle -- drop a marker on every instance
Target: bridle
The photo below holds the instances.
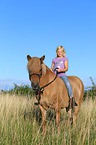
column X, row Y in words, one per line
column 40, row 77
column 40, row 90
column 31, row 74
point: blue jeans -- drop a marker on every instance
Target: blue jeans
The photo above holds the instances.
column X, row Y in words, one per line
column 68, row 85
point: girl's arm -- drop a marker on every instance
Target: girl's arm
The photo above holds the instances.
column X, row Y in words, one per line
column 66, row 67
column 52, row 66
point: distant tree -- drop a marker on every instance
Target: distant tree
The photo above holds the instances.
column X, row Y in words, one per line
column 90, row 91
column 20, row 90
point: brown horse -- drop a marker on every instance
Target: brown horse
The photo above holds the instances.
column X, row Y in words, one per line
column 55, row 94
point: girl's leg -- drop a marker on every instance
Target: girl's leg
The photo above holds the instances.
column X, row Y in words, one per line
column 68, row 85
column 70, row 92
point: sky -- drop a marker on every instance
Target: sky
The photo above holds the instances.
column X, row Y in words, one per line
column 37, row 27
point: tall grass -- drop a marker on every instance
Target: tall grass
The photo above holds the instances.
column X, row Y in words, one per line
column 20, row 124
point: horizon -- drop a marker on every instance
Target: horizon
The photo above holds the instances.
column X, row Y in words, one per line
column 7, row 84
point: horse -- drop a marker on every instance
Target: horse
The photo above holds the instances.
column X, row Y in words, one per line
column 51, row 91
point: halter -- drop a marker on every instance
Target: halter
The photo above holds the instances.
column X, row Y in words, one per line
column 31, row 74
column 40, row 90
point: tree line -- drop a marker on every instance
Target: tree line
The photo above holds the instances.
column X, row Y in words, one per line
column 27, row 90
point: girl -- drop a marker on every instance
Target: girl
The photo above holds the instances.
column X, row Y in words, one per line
column 61, row 63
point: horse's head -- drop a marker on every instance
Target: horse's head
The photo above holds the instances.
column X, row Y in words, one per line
column 35, row 66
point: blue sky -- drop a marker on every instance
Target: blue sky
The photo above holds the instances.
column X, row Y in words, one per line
column 37, row 27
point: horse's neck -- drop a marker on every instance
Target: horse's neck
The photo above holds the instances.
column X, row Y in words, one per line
column 47, row 77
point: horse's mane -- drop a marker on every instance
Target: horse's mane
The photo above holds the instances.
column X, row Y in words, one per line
column 44, row 69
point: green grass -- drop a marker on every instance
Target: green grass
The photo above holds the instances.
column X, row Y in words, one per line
column 20, row 124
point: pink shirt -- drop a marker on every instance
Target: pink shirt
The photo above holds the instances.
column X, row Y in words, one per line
column 59, row 62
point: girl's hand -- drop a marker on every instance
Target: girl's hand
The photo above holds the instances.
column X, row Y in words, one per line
column 58, row 70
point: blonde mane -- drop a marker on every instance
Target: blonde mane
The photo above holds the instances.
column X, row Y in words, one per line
column 44, row 69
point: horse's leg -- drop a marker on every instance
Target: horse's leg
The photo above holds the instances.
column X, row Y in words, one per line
column 70, row 116
column 43, row 112
column 57, row 110
column 73, row 112
column 76, row 109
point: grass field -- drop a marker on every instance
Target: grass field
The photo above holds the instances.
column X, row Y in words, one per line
column 20, row 124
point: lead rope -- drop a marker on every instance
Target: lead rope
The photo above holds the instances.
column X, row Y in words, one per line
column 40, row 90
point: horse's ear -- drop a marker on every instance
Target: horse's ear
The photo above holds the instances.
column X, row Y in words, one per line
column 42, row 58
column 28, row 57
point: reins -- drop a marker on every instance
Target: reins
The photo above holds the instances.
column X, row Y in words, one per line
column 42, row 88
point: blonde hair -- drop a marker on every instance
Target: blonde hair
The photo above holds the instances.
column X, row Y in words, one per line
column 62, row 48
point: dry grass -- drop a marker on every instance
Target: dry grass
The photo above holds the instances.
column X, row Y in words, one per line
column 20, row 123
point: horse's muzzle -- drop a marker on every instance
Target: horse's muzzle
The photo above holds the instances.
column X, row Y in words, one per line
column 35, row 86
